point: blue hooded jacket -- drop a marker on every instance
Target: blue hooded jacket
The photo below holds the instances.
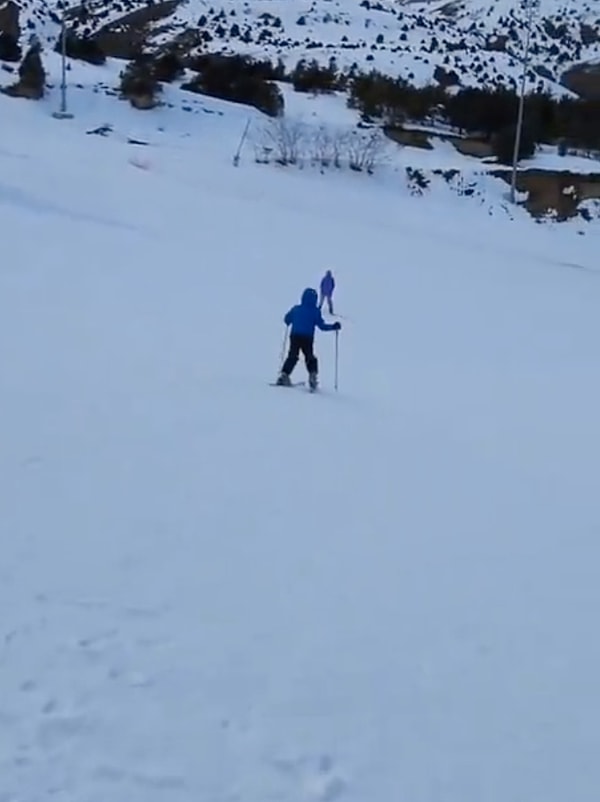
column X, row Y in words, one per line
column 327, row 284
column 306, row 316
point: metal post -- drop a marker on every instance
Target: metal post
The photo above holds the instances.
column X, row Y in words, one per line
column 63, row 114
column 236, row 158
column 63, row 86
column 531, row 5
column 337, row 358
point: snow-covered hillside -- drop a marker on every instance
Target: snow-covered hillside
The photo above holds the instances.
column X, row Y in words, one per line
column 478, row 43
column 211, row 589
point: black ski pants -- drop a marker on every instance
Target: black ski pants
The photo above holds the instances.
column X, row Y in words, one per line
column 329, row 300
column 298, row 343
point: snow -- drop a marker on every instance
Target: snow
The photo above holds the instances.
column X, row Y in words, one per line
column 548, row 159
column 409, row 40
column 329, row 109
column 213, row 589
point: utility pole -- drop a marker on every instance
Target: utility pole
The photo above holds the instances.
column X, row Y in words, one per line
column 530, row 8
column 63, row 114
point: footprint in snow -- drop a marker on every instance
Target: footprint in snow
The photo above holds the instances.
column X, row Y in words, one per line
column 155, row 781
column 318, row 778
column 57, row 731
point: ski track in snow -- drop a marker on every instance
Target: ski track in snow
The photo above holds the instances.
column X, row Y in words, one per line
column 77, row 689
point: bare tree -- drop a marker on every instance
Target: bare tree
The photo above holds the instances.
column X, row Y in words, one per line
column 288, row 142
column 338, row 146
column 321, row 147
column 282, row 140
column 328, row 146
column 366, row 150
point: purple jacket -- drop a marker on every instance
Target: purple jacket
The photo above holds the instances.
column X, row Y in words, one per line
column 327, row 284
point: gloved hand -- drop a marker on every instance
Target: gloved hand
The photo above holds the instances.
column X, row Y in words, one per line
column 337, row 326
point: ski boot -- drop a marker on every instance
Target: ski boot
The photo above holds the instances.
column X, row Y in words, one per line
column 313, row 381
column 284, row 380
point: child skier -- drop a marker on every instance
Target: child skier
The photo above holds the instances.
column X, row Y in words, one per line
column 327, row 288
column 303, row 319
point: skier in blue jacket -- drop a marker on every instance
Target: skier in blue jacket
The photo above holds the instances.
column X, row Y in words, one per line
column 304, row 318
column 327, row 288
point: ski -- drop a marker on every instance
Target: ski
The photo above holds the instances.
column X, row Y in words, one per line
column 309, row 389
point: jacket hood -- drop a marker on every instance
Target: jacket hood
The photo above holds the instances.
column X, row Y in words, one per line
column 309, row 297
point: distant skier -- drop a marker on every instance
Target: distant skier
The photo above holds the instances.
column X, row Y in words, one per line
column 327, row 288
column 303, row 319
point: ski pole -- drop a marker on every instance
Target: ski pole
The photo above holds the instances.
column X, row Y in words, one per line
column 236, row 158
column 283, row 347
column 337, row 351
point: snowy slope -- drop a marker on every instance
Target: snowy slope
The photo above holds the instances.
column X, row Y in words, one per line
column 211, row 589
column 481, row 42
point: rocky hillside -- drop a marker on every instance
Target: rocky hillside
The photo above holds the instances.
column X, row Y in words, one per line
column 462, row 42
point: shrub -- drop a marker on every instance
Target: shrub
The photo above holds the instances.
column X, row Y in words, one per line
column 167, row 67
column 9, row 48
column 445, row 78
column 327, row 147
column 377, row 95
column 32, row 76
column 231, row 66
column 82, row 49
column 417, row 181
column 284, row 141
column 31, row 71
column 238, row 79
column 287, row 142
column 485, row 112
column 365, row 151
column 481, row 111
column 392, row 99
column 312, row 77
column 503, row 144
column 139, row 85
